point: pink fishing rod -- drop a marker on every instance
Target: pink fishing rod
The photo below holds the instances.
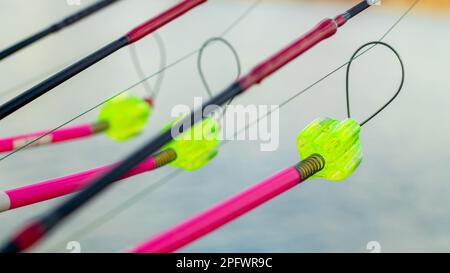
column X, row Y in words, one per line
column 50, row 189
column 47, row 137
column 230, row 209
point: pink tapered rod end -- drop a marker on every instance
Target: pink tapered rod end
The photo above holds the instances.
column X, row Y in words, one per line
column 46, row 137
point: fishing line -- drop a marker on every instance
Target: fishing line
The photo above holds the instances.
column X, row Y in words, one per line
column 180, row 60
column 301, row 92
column 153, row 92
column 56, row 27
column 134, row 59
column 347, row 80
column 128, row 203
column 200, row 58
column 52, row 71
column 202, row 74
column 38, row 77
column 244, row 15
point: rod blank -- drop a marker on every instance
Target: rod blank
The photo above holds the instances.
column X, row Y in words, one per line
column 56, row 27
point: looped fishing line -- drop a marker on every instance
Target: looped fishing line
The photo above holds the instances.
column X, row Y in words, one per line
column 132, row 200
column 202, row 74
column 200, row 58
column 152, row 92
column 347, row 79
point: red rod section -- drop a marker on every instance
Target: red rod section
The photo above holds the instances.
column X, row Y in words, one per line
column 322, row 31
column 162, row 19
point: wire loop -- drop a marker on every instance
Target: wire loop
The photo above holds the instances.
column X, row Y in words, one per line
column 347, row 79
column 152, row 92
column 200, row 58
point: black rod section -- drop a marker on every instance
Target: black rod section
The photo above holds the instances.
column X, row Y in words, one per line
column 359, row 8
column 56, row 27
column 36, row 91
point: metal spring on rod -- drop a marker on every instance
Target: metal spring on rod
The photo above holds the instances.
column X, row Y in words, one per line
column 310, row 166
column 164, row 157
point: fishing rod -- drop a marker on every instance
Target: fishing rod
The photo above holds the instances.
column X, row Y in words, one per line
column 37, row 229
column 190, row 151
column 331, row 150
column 66, row 22
column 126, row 204
column 131, row 37
column 120, row 119
column 54, row 188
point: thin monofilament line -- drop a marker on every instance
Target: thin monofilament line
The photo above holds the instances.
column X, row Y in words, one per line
column 347, row 81
column 37, row 78
column 183, row 58
column 132, row 200
column 56, row 27
column 240, row 18
column 139, row 70
column 200, row 58
column 152, row 92
column 134, row 59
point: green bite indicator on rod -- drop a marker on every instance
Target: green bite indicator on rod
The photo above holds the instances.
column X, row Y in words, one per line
column 197, row 146
column 125, row 116
column 337, row 142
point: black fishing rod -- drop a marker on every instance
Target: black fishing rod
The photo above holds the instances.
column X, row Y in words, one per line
column 76, row 17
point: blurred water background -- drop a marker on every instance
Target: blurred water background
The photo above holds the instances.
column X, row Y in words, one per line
column 398, row 197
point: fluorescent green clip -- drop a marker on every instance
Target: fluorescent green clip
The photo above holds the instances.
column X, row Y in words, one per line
column 197, row 146
column 126, row 116
column 337, row 142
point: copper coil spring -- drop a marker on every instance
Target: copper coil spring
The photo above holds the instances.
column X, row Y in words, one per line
column 165, row 157
column 100, row 126
column 310, row 166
